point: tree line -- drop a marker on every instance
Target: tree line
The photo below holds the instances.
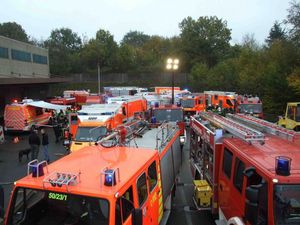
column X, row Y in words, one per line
column 270, row 70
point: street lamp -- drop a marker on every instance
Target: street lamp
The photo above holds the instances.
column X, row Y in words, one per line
column 172, row 65
column 99, row 78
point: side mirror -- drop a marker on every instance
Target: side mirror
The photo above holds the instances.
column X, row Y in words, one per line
column 248, row 172
column 1, row 202
column 137, row 217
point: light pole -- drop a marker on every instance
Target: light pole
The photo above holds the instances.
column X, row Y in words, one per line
column 172, row 65
column 98, row 65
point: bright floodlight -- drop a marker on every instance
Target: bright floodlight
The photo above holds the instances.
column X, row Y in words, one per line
column 169, row 66
column 169, row 61
column 176, row 61
column 175, row 67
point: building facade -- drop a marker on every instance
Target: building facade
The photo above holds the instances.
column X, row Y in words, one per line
column 22, row 60
column 24, row 72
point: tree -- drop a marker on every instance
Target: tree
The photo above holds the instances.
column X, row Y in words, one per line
column 135, row 38
column 126, row 58
column 250, row 42
column 199, row 77
column 294, row 81
column 276, row 34
column 293, row 19
column 14, row 31
column 103, row 50
column 205, row 40
column 63, row 45
column 223, row 76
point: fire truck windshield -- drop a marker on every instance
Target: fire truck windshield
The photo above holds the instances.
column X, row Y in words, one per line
column 287, row 204
column 90, row 133
column 188, row 103
column 34, row 207
column 250, row 108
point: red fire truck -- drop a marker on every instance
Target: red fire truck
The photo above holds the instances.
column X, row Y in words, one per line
column 79, row 95
column 224, row 99
column 63, row 101
column 96, row 120
column 104, row 184
column 245, row 169
column 193, row 104
column 249, row 105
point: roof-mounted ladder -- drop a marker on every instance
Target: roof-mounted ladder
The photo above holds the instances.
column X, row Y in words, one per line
column 266, row 127
column 245, row 133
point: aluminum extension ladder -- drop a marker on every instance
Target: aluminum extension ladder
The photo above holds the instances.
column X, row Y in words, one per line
column 244, row 132
column 266, row 127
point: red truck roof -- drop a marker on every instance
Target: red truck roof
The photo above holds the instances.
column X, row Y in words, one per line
column 263, row 155
column 90, row 161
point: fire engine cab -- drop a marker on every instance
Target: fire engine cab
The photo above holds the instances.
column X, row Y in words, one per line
column 249, row 105
column 193, row 104
column 104, row 184
column 245, row 169
column 223, row 99
column 94, row 121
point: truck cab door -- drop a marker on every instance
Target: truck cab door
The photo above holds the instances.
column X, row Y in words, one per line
column 225, row 177
column 144, row 199
column 125, row 208
column 155, row 193
column 290, row 117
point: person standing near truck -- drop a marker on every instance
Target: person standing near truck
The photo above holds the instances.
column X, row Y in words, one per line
column 45, row 144
column 34, row 142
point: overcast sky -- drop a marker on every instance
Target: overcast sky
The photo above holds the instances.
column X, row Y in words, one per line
column 153, row 17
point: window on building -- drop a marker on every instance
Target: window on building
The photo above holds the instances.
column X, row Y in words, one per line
column 227, row 161
column 21, row 55
column 238, row 177
column 4, row 53
column 142, row 189
column 39, row 59
column 152, row 175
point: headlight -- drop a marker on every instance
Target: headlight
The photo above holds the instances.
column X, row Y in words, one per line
column 182, row 139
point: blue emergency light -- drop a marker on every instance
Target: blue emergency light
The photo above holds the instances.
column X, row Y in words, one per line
column 37, row 171
column 283, row 165
column 153, row 119
column 110, row 177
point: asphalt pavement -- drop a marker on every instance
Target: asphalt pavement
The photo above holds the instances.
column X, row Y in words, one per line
column 10, row 167
column 183, row 211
